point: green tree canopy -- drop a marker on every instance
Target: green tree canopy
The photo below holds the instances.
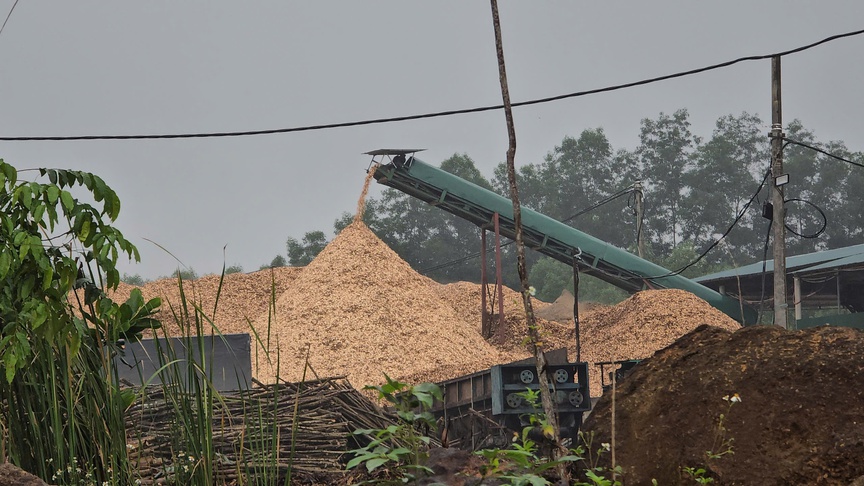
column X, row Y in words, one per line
column 727, row 170
column 233, row 269
column 136, row 280
column 48, row 238
column 666, row 152
column 64, row 405
column 185, row 274
column 300, row 253
column 693, row 191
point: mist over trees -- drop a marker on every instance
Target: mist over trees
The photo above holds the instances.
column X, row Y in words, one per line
column 694, row 188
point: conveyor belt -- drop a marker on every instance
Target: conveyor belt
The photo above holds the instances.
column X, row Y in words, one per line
column 544, row 234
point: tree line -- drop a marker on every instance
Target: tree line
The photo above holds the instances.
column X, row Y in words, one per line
column 695, row 190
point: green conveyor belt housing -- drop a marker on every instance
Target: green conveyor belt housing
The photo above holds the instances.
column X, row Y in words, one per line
column 544, row 234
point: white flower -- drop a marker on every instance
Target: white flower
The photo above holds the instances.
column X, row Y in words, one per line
column 606, row 446
column 532, row 291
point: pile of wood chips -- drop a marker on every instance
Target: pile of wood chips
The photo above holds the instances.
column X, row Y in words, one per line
column 465, row 297
column 643, row 324
column 359, row 310
column 243, row 297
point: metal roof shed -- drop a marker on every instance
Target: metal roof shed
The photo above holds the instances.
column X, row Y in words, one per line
column 828, row 286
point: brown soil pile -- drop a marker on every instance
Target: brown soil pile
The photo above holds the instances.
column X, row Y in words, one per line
column 800, row 419
column 362, row 311
column 13, row 476
column 646, row 322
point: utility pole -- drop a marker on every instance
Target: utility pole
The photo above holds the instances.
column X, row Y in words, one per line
column 781, row 307
column 640, row 219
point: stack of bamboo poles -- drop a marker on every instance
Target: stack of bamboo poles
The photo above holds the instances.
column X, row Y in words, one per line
column 252, row 432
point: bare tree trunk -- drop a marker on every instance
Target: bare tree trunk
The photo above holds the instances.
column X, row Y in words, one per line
column 533, row 335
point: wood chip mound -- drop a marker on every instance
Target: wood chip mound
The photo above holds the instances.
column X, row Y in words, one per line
column 243, row 298
column 562, row 309
column 643, row 324
column 465, row 297
column 361, row 311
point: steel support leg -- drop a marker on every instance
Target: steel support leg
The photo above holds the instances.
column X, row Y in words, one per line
column 484, row 286
column 499, row 283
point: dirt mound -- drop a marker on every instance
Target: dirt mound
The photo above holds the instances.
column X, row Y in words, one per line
column 362, row 311
column 646, row 322
column 799, row 421
column 13, row 476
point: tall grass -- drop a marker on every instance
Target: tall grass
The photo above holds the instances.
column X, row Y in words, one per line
column 64, row 418
column 198, row 409
column 191, row 394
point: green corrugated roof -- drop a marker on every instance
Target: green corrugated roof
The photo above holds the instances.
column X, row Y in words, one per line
column 840, row 262
column 819, row 260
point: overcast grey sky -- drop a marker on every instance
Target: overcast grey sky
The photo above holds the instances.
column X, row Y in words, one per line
column 85, row 67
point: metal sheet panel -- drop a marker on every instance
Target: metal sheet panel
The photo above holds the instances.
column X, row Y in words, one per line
column 229, row 355
column 393, row 151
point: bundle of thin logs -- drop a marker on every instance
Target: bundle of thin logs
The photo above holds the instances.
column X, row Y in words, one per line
column 252, row 432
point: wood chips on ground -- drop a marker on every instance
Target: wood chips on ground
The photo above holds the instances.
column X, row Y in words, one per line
column 643, row 324
column 361, row 311
column 243, row 298
column 465, row 297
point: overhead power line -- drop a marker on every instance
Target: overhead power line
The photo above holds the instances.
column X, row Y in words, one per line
column 433, row 114
column 717, row 241
column 464, row 259
column 599, row 203
column 823, row 152
column 8, row 15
